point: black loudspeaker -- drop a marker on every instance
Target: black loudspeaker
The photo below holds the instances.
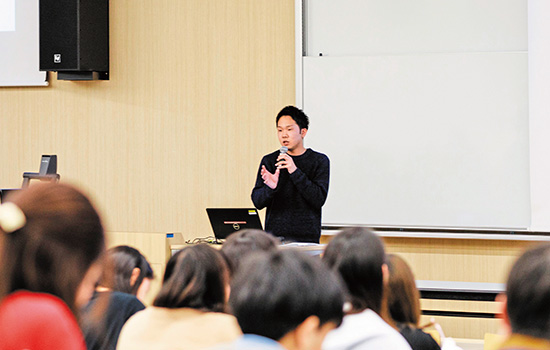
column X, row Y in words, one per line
column 74, row 38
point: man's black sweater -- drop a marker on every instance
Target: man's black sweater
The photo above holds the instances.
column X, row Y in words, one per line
column 294, row 206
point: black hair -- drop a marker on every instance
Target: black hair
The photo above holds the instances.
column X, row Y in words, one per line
column 121, row 262
column 274, row 292
column 149, row 274
column 357, row 254
column 528, row 293
column 239, row 244
column 295, row 113
column 195, row 277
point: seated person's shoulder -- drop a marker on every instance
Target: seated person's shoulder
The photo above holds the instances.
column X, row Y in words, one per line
column 28, row 319
column 363, row 331
column 127, row 300
column 223, row 319
column 35, row 305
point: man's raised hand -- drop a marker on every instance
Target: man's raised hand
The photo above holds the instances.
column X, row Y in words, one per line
column 270, row 179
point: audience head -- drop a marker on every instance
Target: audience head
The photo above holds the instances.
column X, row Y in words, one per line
column 52, row 239
column 239, row 244
column 126, row 270
column 284, row 292
column 357, row 254
column 528, row 293
column 195, row 277
column 295, row 113
column 403, row 296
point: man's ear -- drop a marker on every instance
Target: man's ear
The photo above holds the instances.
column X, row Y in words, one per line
column 303, row 132
column 135, row 274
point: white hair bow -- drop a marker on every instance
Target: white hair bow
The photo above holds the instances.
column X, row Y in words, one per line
column 12, row 217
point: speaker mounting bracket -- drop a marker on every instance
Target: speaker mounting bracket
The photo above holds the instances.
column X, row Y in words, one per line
column 76, row 75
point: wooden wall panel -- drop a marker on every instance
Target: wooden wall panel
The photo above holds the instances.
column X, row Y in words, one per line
column 183, row 122
column 458, row 259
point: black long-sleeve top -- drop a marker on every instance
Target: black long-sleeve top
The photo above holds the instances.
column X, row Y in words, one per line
column 294, row 206
column 417, row 339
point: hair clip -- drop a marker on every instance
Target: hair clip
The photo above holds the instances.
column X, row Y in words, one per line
column 347, row 307
column 12, row 217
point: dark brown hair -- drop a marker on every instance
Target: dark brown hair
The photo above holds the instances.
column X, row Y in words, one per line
column 240, row 244
column 52, row 252
column 403, row 296
column 357, row 254
column 195, row 277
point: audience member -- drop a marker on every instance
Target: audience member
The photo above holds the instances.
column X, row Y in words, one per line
column 241, row 243
column 51, row 244
column 125, row 271
column 359, row 256
column 285, row 300
column 527, row 306
column 404, row 305
column 188, row 311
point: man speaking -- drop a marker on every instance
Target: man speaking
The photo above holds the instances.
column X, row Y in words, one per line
column 292, row 182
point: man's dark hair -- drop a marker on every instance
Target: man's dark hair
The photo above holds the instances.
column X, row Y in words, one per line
column 239, row 244
column 274, row 292
column 357, row 254
column 528, row 293
column 295, row 113
column 195, row 277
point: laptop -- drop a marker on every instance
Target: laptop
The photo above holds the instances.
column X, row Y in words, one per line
column 226, row 221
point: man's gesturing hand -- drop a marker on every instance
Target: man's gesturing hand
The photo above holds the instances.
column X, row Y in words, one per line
column 270, row 179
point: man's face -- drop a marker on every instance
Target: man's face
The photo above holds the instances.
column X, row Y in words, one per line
column 289, row 133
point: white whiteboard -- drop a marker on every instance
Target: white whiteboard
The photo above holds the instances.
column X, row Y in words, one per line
column 19, row 48
column 422, row 107
column 422, row 140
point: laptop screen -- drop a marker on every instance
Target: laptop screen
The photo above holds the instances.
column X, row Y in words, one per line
column 226, row 221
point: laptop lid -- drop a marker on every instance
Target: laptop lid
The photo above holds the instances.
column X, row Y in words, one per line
column 226, row 221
